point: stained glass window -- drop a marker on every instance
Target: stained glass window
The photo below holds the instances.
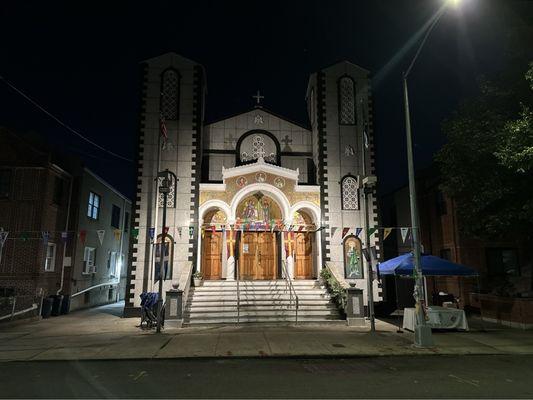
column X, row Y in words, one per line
column 350, row 198
column 346, row 101
column 170, row 94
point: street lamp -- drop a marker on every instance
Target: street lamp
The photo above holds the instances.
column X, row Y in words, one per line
column 168, row 180
column 423, row 336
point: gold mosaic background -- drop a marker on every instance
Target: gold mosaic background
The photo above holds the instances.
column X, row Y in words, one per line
column 232, row 188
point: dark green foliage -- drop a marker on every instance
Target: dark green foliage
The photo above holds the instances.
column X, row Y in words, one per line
column 487, row 164
column 337, row 292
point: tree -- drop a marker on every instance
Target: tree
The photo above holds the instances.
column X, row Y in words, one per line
column 487, row 163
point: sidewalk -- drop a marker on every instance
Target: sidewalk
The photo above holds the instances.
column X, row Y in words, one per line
column 100, row 334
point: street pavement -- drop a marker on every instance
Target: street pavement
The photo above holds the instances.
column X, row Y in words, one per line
column 101, row 334
column 499, row 376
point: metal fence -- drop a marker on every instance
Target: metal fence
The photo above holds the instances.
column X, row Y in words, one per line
column 16, row 307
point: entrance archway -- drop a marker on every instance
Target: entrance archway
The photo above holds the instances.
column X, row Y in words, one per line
column 259, row 254
column 212, row 245
column 303, row 246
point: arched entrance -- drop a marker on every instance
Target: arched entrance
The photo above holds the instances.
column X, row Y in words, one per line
column 212, row 245
column 303, row 246
column 257, row 216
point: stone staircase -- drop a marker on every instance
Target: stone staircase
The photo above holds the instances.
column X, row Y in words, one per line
column 260, row 302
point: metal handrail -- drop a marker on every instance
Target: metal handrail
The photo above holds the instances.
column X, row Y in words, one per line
column 290, row 287
column 238, row 292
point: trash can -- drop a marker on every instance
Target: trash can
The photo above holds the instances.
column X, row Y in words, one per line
column 46, row 308
column 65, row 304
column 56, row 304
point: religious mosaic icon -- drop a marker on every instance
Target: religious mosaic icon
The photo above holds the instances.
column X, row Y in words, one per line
column 258, row 208
column 349, row 151
column 260, row 177
column 353, row 266
column 241, row 181
column 279, row 182
column 258, row 119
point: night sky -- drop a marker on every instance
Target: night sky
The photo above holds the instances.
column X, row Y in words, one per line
column 81, row 63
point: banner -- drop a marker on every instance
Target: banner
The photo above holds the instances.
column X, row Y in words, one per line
column 386, row 232
column 333, row 230
column 191, row 232
column 135, row 233
column 101, row 234
column 46, row 236
column 24, row 236
column 3, row 238
column 358, row 231
column 117, row 233
column 405, row 233
column 82, row 235
column 64, row 236
column 345, row 231
column 371, row 231
column 374, row 252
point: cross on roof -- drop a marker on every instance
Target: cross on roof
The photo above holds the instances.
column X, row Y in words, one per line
column 258, row 97
column 287, row 140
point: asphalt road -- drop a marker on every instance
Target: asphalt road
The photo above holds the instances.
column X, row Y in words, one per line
column 399, row 377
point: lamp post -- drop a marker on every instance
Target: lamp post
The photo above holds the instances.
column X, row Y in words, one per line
column 423, row 337
column 168, row 179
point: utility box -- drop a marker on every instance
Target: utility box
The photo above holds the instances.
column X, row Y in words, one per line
column 355, row 310
column 174, row 309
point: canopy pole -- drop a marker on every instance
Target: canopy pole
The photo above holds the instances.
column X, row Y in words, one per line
column 480, row 305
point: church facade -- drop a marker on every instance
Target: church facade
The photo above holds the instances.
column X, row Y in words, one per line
column 258, row 196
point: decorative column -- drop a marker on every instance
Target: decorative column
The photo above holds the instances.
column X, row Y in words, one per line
column 230, row 268
column 290, row 258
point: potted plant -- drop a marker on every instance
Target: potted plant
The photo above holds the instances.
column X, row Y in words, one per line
column 197, row 278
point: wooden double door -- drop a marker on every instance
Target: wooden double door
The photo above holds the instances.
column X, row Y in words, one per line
column 303, row 256
column 258, row 256
column 212, row 255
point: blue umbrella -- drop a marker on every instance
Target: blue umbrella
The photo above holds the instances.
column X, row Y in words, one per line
column 431, row 266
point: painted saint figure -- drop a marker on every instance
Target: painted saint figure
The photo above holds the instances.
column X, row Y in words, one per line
column 353, row 261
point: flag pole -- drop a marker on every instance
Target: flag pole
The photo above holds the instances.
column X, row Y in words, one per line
column 156, row 205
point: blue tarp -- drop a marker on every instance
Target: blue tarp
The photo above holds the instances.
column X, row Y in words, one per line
column 431, row 266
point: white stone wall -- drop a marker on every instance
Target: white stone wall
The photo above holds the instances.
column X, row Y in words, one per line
column 179, row 158
column 223, row 135
column 336, row 137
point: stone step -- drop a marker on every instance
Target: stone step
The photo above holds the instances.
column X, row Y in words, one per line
column 258, row 307
column 258, row 313
column 288, row 319
column 258, row 296
column 262, row 290
column 246, row 302
column 259, row 282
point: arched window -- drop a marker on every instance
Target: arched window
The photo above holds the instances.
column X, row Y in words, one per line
column 255, row 144
column 168, row 255
column 353, row 260
column 346, row 101
column 170, row 89
column 349, row 193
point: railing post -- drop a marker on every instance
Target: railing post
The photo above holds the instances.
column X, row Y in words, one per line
column 14, row 304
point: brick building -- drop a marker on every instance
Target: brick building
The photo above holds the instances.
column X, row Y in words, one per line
column 441, row 235
column 34, row 196
column 53, row 208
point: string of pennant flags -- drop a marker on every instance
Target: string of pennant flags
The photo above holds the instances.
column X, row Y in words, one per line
column 274, row 225
column 64, row 236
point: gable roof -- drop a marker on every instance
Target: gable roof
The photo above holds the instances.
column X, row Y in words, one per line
column 266, row 110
